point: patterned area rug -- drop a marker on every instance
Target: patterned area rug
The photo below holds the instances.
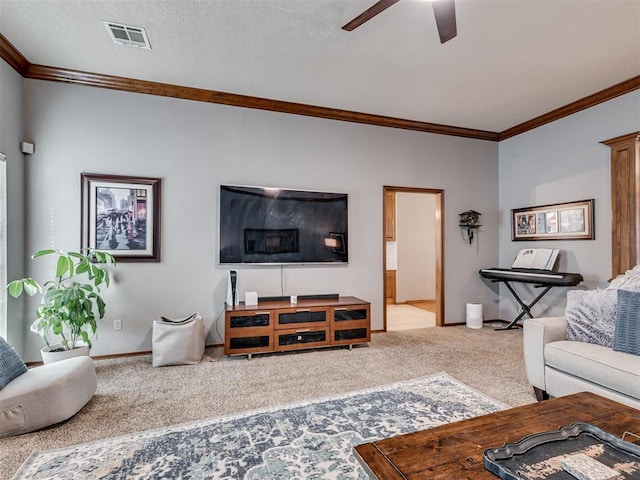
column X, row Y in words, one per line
column 307, row 440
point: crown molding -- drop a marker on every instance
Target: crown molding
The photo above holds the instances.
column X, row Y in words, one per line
column 41, row 72
column 12, row 56
column 602, row 96
column 19, row 62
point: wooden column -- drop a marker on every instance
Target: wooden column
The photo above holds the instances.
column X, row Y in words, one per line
column 390, row 216
column 625, row 202
column 390, row 287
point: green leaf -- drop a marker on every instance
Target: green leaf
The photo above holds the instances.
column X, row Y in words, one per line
column 99, row 273
column 15, row 288
column 41, row 253
column 38, row 326
column 55, row 293
column 26, row 285
column 87, row 306
column 101, row 306
column 31, row 287
column 102, row 257
column 82, row 267
column 63, row 266
column 85, row 338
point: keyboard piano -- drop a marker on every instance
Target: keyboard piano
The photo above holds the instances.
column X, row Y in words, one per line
column 545, row 279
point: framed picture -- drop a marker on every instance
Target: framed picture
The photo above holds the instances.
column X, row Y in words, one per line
column 560, row 221
column 121, row 215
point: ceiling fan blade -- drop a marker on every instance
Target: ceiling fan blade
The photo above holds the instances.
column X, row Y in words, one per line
column 445, row 13
column 368, row 14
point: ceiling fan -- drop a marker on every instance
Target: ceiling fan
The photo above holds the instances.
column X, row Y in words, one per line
column 444, row 11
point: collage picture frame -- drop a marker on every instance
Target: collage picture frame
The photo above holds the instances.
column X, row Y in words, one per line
column 559, row 221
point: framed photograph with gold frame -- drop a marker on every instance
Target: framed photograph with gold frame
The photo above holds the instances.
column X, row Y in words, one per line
column 121, row 215
column 559, row 221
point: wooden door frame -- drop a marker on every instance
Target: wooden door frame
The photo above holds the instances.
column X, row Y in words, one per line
column 439, row 250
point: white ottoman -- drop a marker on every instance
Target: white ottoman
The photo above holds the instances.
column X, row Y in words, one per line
column 46, row 395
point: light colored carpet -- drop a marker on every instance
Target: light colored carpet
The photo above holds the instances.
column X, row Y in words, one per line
column 133, row 396
column 407, row 317
column 312, row 439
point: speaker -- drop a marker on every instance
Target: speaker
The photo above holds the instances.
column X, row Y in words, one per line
column 232, row 291
column 251, row 298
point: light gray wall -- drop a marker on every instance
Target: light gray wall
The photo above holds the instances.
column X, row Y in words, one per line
column 11, row 134
column 415, row 236
column 560, row 162
column 195, row 147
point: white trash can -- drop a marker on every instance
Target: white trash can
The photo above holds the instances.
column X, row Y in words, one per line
column 474, row 315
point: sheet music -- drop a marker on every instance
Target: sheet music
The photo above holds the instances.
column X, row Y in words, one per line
column 538, row 258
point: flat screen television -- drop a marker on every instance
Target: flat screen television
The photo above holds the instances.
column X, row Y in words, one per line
column 260, row 225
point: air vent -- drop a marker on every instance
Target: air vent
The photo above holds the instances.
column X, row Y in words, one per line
column 128, row 35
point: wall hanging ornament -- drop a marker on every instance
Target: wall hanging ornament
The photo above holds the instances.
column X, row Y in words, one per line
column 469, row 221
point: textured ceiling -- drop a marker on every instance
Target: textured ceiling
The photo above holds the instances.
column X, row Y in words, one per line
column 511, row 61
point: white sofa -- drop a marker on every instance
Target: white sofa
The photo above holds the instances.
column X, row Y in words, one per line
column 46, row 395
column 557, row 367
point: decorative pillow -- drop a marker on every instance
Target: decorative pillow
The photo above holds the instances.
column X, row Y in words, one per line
column 627, row 332
column 11, row 365
column 629, row 281
column 591, row 316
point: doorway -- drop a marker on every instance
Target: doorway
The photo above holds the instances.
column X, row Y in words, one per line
column 413, row 256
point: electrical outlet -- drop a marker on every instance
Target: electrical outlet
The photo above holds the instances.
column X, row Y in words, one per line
column 117, row 324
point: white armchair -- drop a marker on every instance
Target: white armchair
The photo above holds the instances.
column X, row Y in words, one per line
column 557, row 367
column 537, row 334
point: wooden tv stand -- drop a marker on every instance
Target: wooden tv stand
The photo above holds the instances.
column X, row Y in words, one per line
column 277, row 326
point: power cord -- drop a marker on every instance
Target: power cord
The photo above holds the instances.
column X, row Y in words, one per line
column 216, row 324
column 282, row 280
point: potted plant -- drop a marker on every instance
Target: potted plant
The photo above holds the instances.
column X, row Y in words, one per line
column 68, row 307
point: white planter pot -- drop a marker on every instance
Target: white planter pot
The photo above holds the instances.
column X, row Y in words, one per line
column 49, row 356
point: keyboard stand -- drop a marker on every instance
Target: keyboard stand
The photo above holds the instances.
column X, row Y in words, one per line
column 545, row 279
column 526, row 309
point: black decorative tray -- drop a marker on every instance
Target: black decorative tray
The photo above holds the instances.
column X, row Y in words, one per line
column 538, row 456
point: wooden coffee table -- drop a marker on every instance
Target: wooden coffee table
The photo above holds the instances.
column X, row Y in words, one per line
column 455, row 450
